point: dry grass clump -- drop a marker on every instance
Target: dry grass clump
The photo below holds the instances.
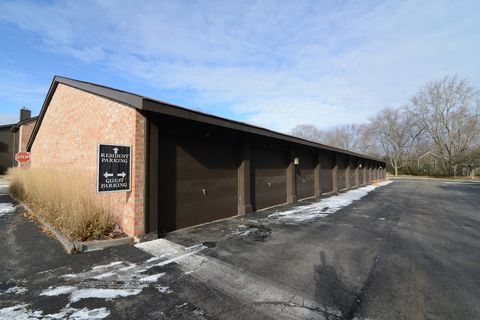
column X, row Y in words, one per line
column 63, row 197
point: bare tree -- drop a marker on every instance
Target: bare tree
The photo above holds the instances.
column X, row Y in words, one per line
column 353, row 137
column 449, row 113
column 398, row 133
column 307, row 132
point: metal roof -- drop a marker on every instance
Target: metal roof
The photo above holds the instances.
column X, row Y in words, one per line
column 152, row 105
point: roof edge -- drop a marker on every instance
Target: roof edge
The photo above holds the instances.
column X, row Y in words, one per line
column 20, row 123
column 130, row 99
column 148, row 104
column 182, row 112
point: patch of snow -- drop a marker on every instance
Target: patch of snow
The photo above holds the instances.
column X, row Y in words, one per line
column 105, row 266
column 15, row 290
column 85, row 314
column 153, row 259
column 181, row 305
column 165, row 290
column 104, row 275
column 6, row 208
column 365, row 216
column 152, row 278
column 196, row 248
column 198, row 312
column 325, row 206
column 19, row 312
column 246, row 233
column 381, row 218
column 56, row 291
column 130, row 267
column 22, row 312
column 101, row 293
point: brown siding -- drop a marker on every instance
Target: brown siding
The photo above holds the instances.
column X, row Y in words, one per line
column 342, row 163
column 269, row 168
column 352, row 171
column 305, row 179
column 327, row 160
column 206, row 182
column 197, row 173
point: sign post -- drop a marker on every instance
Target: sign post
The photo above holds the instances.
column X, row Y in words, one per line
column 113, row 168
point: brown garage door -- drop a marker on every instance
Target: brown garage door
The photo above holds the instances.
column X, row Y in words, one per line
column 326, row 166
column 352, row 171
column 269, row 169
column 197, row 181
column 342, row 173
column 305, row 173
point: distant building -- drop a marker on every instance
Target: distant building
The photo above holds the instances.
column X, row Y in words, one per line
column 7, row 146
column 428, row 163
column 14, row 138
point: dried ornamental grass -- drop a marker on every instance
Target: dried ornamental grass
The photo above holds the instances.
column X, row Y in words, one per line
column 61, row 196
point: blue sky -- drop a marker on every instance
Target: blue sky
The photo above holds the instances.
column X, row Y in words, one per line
column 270, row 63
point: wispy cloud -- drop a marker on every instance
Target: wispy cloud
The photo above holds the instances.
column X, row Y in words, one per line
column 18, row 90
column 273, row 63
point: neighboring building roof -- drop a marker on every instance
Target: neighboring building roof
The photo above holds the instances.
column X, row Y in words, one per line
column 148, row 104
column 426, row 154
column 6, row 126
column 17, row 126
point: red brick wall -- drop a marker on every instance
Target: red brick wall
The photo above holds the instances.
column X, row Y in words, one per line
column 74, row 124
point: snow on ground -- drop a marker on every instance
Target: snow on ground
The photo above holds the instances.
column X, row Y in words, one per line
column 6, row 208
column 325, row 206
column 108, row 282
column 22, row 312
column 14, row 290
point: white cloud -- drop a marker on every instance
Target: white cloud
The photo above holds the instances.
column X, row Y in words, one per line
column 275, row 64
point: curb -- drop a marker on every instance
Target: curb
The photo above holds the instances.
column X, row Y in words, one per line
column 67, row 244
column 72, row 247
column 100, row 244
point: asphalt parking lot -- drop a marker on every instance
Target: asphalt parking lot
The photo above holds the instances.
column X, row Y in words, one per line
column 407, row 250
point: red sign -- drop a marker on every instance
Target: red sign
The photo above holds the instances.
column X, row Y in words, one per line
column 22, row 157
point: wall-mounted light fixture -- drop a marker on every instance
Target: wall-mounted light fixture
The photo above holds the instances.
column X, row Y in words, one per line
column 360, row 165
column 296, row 161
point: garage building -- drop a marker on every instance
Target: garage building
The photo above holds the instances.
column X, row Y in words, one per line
column 187, row 167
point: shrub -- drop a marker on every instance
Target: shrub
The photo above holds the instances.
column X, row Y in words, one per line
column 61, row 197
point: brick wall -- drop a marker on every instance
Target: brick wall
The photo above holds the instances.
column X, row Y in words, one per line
column 74, row 124
column 24, row 132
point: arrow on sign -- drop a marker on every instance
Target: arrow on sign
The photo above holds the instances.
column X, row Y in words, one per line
column 106, row 175
column 123, row 174
column 115, row 150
